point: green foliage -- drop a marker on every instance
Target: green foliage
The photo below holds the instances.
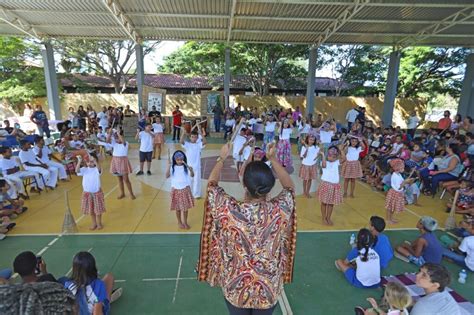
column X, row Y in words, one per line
column 19, row 81
column 443, row 101
column 261, row 66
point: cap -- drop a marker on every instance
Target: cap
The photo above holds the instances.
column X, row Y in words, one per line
column 429, row 223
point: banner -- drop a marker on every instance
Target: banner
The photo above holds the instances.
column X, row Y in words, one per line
column 155, row 99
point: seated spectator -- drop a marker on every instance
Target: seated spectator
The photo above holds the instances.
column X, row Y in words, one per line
column 449, row 168
column 31, row 163
column 7, row 127
column 31, row 268
column 463, row 255
column 6, row 274
column 44, row 154
column 382, row 244
column 16, row 205
column 425, row 248
column 396, row 297
column 433, row 279
column 11, row 172
column 417, row 156
column 93, row 295
column 361, row 267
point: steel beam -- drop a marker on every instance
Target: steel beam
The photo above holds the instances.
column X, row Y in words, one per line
column 231, row 20
column 124, row 21
column 466, row 101
column 17, row 22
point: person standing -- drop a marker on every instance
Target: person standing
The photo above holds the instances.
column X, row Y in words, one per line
column 177, row 117
column 412, row 123
column 245, row 256
column 82, row 118
column 351, row 117
column 103, row 118
column 41, row 120
column 445, row 122
column 217, row 110
column 146, row 137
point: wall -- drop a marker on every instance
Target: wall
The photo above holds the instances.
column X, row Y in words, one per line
column 196, row 105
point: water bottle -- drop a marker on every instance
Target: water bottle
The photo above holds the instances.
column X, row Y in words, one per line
column 462, row 276
column 352, row 240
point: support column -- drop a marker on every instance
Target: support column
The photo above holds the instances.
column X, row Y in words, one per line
column 227, row 78
column 51, row 82
column 140, row 75
column 466, row 101
column 391, row 88
column 311, row 80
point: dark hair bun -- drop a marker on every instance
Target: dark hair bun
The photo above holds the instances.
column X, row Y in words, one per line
column 258, row 179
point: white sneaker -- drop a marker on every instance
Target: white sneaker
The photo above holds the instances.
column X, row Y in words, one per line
column 401, row 257
column 2, row 236
column 116, row 294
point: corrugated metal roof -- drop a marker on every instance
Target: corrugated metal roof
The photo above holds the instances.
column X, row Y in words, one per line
column 388, row 22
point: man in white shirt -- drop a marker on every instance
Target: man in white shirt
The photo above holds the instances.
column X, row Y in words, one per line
column 351, row 117
column 103, row 118
column 434, row 278
column 146, row 147
column 412, row 123
column 193, row 149
column 44, row 155
column 31, row 163
column 11, row 171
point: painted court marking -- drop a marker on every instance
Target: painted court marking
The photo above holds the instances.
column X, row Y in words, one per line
column 177, row 277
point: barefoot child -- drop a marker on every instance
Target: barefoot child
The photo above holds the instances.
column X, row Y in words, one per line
column 284, row 145
column 308, row 171
column 159, row 138
column 193, row 148
column 395, row 200
column 329, row 191
column 181, row 196
column 352, row 169
column 120, row 165
column 93, row 202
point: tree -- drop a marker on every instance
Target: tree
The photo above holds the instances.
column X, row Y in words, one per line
column 113, row 59
column 20, row 80
column 259, row 65
column 429, row 71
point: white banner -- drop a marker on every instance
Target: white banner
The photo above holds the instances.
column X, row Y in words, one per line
column 155, row 99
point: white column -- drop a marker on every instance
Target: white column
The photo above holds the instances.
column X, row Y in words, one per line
column 311, row 80
column 391, row 88
column 227, row 77
column 51, row 82
column 140, row 74
column 466, row 101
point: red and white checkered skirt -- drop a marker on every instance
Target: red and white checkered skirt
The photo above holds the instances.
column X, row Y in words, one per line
column 395, row 201
column 159, row 138
column 93, row 203
column 181, row 199
column 351, row 169
column 308, row 172
column 120, row 165
column 329, row 193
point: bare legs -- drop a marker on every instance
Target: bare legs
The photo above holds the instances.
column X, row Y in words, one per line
column 124, row 179
column 326, row 212
column 346, row 186
column 157, row 147
column 390, row 218
column 306, row 188
column 182, row 217
column 96, row 222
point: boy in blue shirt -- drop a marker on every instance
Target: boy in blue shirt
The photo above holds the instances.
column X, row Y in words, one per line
column 382, row 244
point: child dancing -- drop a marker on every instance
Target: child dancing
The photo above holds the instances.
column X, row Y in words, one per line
column 352, row 169
column 329, row 191
column 120, row 165
column 308, row 170
column 181, row 195
column 93, row 201
column 284, row 145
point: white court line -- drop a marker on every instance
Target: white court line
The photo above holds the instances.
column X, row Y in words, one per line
column 177, row 277
column 332, row 231
column 117, row 281
column 285, row 304
column 168, row 279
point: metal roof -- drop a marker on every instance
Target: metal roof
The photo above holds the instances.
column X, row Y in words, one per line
column 385, row 22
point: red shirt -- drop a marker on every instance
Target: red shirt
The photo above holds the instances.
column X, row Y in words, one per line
column 177, row 114
column 444, row 123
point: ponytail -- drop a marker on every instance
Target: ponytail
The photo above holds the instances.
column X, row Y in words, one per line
column 365, row 240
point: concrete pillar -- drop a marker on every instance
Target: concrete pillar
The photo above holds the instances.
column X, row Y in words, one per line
column 311, row 80
column 391, row 88
column 140, row 75
column 466, row 101
column 51, row 82
column 227, row 77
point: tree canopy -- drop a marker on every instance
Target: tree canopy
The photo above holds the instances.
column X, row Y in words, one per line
column 259, row 65
column 20, row 81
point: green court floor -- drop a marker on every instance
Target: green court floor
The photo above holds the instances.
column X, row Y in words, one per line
column 157, row 271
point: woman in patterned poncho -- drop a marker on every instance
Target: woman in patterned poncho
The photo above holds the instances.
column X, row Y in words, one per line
column 248, row 247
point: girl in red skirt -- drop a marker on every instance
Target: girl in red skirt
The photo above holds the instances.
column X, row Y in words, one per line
column 93, row 202
column 329, row 191
column 181, row 196
column 351, row 169
column 395, row 200
column 120, row 165
column 159, row 138
column 309, row 155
